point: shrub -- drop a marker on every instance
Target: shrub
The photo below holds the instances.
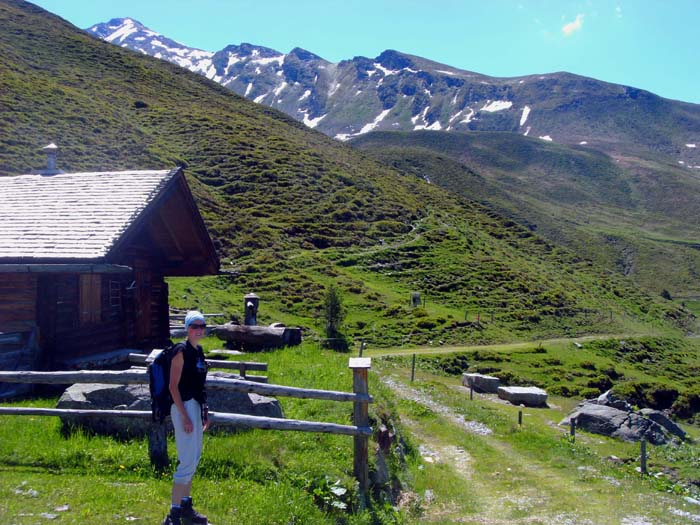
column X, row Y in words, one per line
column 687, row 404
column 588, row 365
column 647, row 395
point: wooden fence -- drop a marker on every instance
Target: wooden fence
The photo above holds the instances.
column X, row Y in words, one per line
column 243, row 367
column 360, row 430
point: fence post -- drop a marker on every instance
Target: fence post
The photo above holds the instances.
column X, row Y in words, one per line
column 360, row 367
column 158, row 446
column 413, row 368
column 643, row 459
column 520, row 418
column 572, row 429
column 242, row 370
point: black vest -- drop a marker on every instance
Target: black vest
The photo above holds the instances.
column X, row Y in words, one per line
column 194, row 373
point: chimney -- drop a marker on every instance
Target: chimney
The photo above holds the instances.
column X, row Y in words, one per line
column 51, row 153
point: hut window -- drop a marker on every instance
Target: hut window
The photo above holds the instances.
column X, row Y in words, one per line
column 90, row 299
column 115, row 294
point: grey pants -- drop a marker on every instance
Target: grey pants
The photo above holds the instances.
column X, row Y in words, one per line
column 189, row 446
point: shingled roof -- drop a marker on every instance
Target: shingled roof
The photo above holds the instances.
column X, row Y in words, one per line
column 85, row 216
column 72, row 215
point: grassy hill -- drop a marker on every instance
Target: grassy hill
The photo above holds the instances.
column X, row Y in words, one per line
column 293, row 211
column 635, row 214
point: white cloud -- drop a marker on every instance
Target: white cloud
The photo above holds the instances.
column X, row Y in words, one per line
column 618, row 12
column 572, row 27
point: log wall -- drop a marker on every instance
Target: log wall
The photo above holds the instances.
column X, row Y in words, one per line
column 17, row 302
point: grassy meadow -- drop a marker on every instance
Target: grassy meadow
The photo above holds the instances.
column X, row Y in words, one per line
column 453, row 459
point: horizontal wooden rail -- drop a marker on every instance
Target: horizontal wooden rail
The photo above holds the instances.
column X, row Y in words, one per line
column 220, row 418
column 141, row 377
column 141, row 359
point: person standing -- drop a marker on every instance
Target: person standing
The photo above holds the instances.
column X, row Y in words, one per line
column 189, row 413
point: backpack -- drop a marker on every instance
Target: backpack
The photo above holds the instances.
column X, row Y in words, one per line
column 159, row 383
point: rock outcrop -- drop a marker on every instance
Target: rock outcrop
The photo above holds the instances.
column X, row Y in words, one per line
column 611, row 416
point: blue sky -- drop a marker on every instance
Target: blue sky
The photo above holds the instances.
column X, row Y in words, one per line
column 649, row 44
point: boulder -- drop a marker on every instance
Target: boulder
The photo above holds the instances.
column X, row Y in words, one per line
column 137, row 397
column 664, row 421
column 481, row 383
column 97, row 396
column 530, row 396
column 241, row 402
column 613, row 422
column 611, row 400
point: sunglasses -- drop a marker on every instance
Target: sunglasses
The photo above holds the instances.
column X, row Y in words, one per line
column 198, row 326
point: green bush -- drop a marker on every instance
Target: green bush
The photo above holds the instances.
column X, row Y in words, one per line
column 647, row 395
column 687, row 404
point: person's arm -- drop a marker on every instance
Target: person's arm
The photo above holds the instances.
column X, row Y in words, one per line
column 176, row 365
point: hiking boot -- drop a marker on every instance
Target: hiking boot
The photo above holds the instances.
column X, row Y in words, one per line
column 174, row 517
column 189, row 515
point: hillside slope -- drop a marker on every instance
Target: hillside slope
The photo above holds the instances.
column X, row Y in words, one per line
column 291, row 210
column 637, row 215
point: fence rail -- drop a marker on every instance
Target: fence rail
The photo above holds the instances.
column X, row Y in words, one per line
column 220, row 418
column 242, row 366
column 360, row 430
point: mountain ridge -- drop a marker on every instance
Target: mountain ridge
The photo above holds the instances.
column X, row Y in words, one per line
column 400, row 92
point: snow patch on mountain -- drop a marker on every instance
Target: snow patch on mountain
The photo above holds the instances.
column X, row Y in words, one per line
column 386, row 71
column 312, row 122
column 260, row 98
column 526, row 113
column 333, row 89
column 279, row 59
column 527, row 131
column 369, row 127
column 306, row 95
column 445, row 72
column 546, row 137
column 469, row 117
column 128, row 28
column 496, row 105
column 691, row 145
column 583, row 142
column 249, row 89
column 280, row 88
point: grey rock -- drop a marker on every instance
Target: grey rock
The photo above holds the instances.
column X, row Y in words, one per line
column 610, row 399
column 95, row 396
column 481, row 383
column 662, row 419
column 613, row 422
column 241, row 402
column 530, row 396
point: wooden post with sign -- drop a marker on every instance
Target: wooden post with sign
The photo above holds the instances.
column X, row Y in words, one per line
column 360, row 367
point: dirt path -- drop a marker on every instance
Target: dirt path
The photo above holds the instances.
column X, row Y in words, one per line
column 520, row 491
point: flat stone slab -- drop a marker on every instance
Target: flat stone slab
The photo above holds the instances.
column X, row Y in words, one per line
column 530, row 396
column 481, row 383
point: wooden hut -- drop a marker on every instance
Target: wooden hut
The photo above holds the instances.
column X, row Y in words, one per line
column 83, row 257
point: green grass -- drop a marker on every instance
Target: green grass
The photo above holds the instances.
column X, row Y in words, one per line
column 516, row 472
column 246, row 477
column 609, row 207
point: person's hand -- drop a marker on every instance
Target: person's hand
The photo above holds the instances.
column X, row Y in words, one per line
column 187, row 424
column 205, row 418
